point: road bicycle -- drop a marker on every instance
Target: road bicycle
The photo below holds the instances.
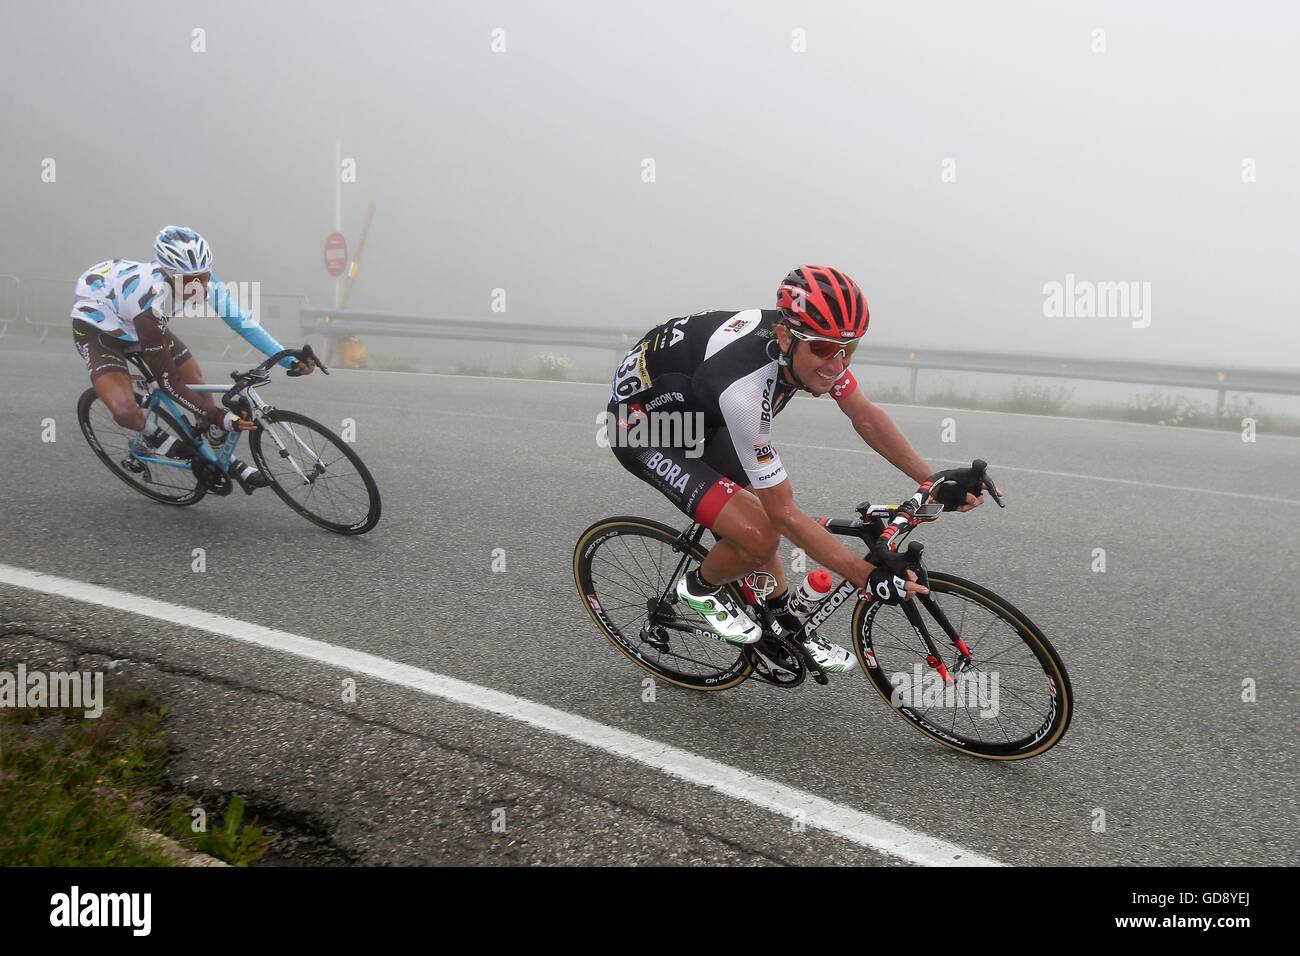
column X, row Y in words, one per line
column 626, row 569
column 313, row 471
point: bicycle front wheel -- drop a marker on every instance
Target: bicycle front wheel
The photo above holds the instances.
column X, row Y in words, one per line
column 1012, row 701
column 315, row 473
column 622, row 566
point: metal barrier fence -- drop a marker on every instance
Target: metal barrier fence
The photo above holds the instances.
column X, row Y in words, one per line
column 334, row 324
column 44, row 304
column 10, row 287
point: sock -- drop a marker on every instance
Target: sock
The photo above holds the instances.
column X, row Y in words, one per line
column 243, row 469
column 780, row 608
column 695, row 581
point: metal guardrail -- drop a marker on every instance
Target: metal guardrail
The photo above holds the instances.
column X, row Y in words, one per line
column 333, row 324
column 10, row 289
column 43, row 304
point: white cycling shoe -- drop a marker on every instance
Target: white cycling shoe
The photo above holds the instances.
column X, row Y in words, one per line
column 831, row 658
column 721, row 614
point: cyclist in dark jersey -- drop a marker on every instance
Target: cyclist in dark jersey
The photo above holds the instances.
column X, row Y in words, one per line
column 731, row 373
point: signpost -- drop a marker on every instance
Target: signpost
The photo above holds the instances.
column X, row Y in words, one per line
column 336, row 254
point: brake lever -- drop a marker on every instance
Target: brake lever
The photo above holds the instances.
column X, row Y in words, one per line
column 900, row 564
column 981, row 468
column 913, row 559
column 307, row 355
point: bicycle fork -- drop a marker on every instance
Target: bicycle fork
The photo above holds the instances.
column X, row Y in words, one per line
column 964, row 657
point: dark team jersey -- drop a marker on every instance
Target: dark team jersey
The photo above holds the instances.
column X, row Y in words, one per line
column 730, row 361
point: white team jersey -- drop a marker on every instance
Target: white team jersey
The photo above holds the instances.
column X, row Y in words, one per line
column 111, row 294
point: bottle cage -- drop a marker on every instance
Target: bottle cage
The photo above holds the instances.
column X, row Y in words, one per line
column 761, row 583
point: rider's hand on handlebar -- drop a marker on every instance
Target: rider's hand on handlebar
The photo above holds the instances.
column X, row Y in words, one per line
column 301, row 368
column 974, row 502
column 240, row 423
column 889, row 588
column 959, row 489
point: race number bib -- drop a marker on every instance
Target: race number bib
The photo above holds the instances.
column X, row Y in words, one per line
column 631, row 376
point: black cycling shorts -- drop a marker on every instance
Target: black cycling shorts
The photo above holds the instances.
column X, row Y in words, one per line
column 698, row 486
column 107, row 353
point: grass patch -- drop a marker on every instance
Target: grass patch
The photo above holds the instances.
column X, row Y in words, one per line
column 76, row 791
column 474, row 368
column 233, row 841
column 552, row 366
column 1034, row 399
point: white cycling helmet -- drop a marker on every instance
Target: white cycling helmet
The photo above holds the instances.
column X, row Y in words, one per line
column 179, row 249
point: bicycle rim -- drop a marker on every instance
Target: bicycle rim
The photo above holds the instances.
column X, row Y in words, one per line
column 315, row 473
column 621, row 567
column 111, row 444
column 1014, row 702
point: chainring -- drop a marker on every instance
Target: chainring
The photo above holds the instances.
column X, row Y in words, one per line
column 216, row 481
column 789, row 669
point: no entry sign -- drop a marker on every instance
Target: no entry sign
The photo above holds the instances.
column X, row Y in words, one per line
column 336, row 254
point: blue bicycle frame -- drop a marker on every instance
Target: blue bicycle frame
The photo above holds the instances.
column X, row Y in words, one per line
column 159, row 398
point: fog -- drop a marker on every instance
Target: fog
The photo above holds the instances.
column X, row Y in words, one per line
column 954, row 158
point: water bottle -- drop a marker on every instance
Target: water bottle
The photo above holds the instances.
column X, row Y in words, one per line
column 810, row 591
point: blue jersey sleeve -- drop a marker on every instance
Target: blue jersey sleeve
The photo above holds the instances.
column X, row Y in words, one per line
column 248, row 327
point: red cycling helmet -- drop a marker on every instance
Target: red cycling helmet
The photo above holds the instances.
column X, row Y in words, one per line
column 823, row 301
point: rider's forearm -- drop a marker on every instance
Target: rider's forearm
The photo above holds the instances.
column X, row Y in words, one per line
column 248, row 328
column 879, row 431
column 822, row 546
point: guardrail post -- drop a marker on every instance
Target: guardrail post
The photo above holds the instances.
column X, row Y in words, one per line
column 10, row 293
column 331, row 341
column 915, row 370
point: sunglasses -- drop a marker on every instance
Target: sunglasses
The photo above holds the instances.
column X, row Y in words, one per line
column 827, row 348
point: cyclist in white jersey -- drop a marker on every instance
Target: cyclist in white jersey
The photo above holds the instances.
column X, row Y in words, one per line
column 123, row 306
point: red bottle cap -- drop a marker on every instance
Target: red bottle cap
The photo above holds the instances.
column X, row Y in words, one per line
column 820, row 581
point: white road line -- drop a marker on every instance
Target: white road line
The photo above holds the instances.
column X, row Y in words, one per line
column 995, row 467
column 860, row 828
column 811, row 398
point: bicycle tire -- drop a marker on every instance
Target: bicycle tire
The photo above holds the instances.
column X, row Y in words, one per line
column 587, row 548
column 1058, row 696
column 357, row 526
column 84, row 403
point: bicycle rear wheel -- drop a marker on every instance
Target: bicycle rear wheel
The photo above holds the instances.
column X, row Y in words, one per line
column 315, row 473
column 621, row 567
column 1014, row 701
column 170, row 484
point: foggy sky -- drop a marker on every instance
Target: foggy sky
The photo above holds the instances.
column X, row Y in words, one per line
column 522, row 170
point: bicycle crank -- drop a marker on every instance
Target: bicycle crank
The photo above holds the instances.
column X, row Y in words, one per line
column 776, row 663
